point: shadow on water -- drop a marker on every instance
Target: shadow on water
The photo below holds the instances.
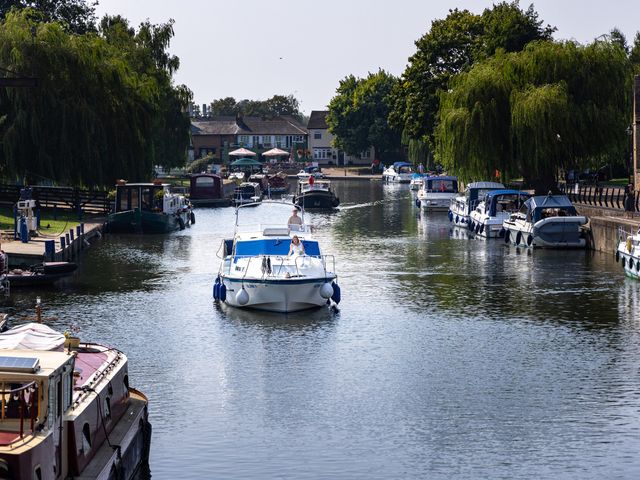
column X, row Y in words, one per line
column 312, row 319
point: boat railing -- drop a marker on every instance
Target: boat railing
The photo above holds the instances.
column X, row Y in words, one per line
column 624, row 233
column 19, row 404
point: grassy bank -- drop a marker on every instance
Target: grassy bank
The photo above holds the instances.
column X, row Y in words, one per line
column 53, row 223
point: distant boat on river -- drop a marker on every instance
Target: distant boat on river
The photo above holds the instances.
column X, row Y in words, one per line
column 149, row 208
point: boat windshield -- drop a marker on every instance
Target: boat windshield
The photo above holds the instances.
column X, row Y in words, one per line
column 275, row 246
column 268, row 214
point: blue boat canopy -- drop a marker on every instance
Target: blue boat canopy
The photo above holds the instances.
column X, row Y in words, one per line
column 560, row 202
column 397, row 165
column 273, row 246
column 493, row 197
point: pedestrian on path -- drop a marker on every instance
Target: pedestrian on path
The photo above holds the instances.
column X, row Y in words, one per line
column 629, row 201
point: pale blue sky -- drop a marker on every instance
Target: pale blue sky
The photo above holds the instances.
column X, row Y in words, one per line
column 258, row 48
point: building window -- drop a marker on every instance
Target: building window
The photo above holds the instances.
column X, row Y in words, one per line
column 317, row 135
column 322, row 153
column 298, row 138
column 244, row 139
column 366, row 154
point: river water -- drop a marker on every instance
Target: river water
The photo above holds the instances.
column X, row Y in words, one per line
column 449, row 357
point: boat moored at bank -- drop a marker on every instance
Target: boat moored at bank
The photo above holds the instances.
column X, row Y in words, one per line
column 247, row 193
column 399, row 172
column 262, row 270
column 436, row 193
column 497, row 206
column 628, row 252
column 149, row 208
column 64, row 409
column 549, row 221
column 461, row 206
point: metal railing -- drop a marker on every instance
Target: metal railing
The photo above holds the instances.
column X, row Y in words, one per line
column 606, row 197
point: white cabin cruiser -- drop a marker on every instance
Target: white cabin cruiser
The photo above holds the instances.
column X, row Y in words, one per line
column 462, row 205
column 261, row 269
column 498, row 205
column 546, row 221
column 399, row 172
column 436, row 193
column 416, row 181
column 628, row 252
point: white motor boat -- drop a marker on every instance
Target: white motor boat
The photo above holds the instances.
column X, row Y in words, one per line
column 399, row 172
column 546, row 221
column 462, row 205
column 498, row 205
column 436, row 193
column 259, row 272
column 247, row 193
column 628, row 252
column 416, row 181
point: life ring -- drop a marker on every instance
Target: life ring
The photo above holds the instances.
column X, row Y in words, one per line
column 518, row 238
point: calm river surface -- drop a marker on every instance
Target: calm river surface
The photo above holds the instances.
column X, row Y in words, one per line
column 450, row 357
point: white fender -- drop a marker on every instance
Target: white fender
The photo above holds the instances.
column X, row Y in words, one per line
column 326, row 290
column 242, row 297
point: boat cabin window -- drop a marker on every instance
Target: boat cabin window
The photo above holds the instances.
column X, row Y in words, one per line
column 278, row 246
column 18, row 400
column 204, row 182
column 443, row 186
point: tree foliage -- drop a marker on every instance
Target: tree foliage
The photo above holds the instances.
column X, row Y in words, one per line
column 359, row 112
column 527, row 113
column 272, row 107
column 77, row 16
column 105, row 107
column 451, row 46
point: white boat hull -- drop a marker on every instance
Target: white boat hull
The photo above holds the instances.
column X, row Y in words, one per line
column 555, row 232
column 284, row 296
column 628, row 253
column 435, row 201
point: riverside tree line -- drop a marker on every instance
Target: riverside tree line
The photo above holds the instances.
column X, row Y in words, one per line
column 105, row 105
column 494, row 93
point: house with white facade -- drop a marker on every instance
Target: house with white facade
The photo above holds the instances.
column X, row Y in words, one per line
column 322, row 148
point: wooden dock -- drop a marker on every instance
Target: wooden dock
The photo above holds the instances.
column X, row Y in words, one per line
column 64, row 247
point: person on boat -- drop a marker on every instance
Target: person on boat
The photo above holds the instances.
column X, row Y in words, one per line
column 296, row 248
column 294, row 219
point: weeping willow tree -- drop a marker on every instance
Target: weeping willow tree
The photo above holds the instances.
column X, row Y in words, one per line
column 527, row 114
column 104, row 108
column 472, row 137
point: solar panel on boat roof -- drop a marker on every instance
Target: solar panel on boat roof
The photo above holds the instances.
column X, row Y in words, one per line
column 19, row 364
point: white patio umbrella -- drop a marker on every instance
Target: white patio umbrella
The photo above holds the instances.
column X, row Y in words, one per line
column 242, row 152
column 275, row 152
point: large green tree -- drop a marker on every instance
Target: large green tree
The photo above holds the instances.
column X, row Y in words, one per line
column 529, row 113
column 359, row 112
column 77, row 16
column 105, row 107
column 451, row 46
column 272, row 107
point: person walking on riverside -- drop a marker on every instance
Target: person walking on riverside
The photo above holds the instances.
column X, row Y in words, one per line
column 629, row 201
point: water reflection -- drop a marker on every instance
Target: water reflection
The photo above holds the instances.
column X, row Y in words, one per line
column 450, row 357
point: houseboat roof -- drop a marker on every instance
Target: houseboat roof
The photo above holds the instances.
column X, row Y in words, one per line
column 145, row 184
column 48, row 362
column 402, row 164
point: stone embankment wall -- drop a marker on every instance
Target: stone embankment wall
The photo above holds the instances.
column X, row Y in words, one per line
column 604, row 224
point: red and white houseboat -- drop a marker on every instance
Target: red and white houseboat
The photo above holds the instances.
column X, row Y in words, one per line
column 67, row 409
